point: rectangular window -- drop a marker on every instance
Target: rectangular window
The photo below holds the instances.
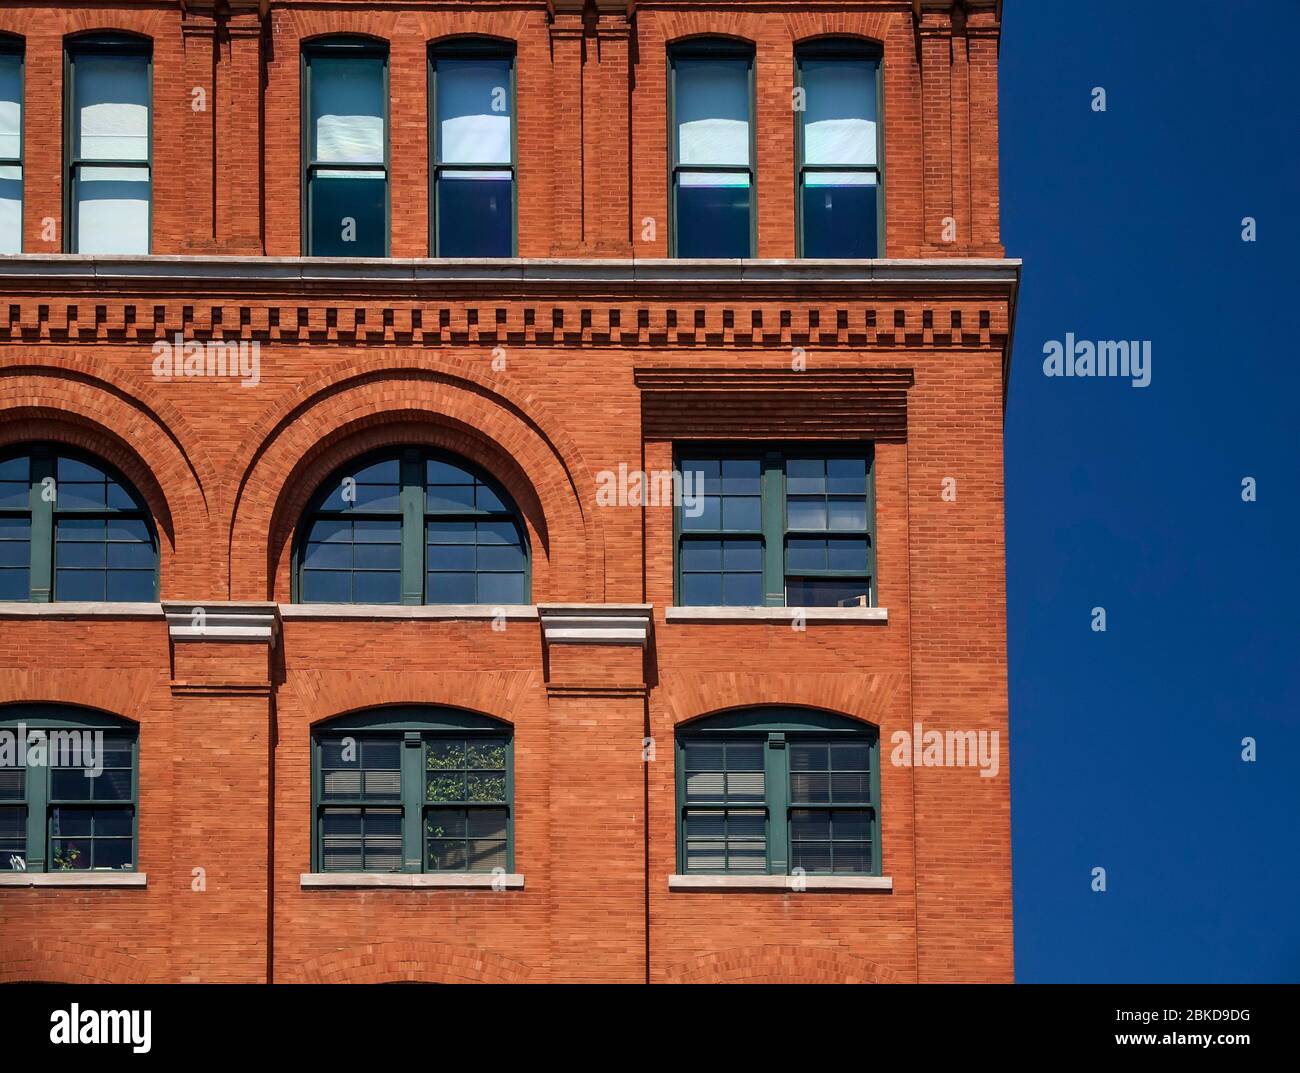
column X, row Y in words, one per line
column 109, row 148
column 345, row 149
column 790, row 528
column 472, row 90
column 712, row 150
column 724, row 821
column 11, row 148
column 831, row 809
column 839, row 197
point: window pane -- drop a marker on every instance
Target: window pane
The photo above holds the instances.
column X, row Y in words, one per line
column 347, row 110
column 839, row 119
column 840, row 214
column 11, row 207
column 712, row 111
column 13, row 837
column 474, row 111
column 15, row 555
column 827, row 592
column 112, row 102
column 713, row 214
column 111, row 208
column 476, row 214
column 11, row 105
column 348, row 210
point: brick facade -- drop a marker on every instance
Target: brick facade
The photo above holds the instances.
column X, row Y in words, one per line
column 604, row 364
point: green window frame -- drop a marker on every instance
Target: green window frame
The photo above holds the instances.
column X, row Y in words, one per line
column 720, row 49
column 12, row 72
column 848, row 52
column 317, row 173
column 413, row 788
column 424, row 527
column 766, row 791
column 109, row 168
column 68, row 520
column 447, row 53
column 59, row 817
column 771, row 531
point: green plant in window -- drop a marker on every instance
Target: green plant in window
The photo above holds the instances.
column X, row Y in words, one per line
column 443, row 755
column 66, row 860
column 487, row 788
column 486, row 754
column 446, row 788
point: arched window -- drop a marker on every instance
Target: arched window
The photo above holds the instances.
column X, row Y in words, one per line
column 839, row 200
column 71, row 528
column 413, row 789
column 472, row 148
column 411, row 526
column 345, row 147
column 68, row 790
column 764, row 791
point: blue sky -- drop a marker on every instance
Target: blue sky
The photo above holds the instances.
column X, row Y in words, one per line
column 1126, row 746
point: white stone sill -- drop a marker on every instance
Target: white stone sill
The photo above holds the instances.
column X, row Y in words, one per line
column 779, row 884
column 406, row 611
column 410, row 880
column 77, row 609
column 73, row 879
column 811, row 615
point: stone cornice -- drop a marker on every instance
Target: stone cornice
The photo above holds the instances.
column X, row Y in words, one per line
column 598, row 624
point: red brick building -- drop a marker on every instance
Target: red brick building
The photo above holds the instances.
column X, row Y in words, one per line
column 399, row 668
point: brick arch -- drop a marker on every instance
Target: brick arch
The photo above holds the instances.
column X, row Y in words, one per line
column 860, row 696
column 63, row 962
column 871, row 26
column 133, row 429
column 498, row 695
column 123, row 694
column 399, row 397
column 384, row 963
column 781, row 964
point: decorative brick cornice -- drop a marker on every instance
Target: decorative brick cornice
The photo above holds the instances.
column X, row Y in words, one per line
column 941, row 303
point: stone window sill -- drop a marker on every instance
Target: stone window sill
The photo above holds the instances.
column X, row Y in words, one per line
column 73, row 879
column 405, row 611
column 779, row 884
column 810, row 615
column 77, row 609
column 411, row 880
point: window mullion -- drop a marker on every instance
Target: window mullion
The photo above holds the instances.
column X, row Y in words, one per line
column 776, row 774
column 773, row 506
column 38, row 808
column 412, row 801
column 43, row 492
column 413, row 536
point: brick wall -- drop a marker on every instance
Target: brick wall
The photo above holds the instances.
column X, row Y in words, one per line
column 359, row 361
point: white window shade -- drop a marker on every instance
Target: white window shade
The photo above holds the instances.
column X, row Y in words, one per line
column 474, row 120
column 112, row 101
column 347, row 105
column 712, row 112
column 840, row 112
column 112, row 207
column 11, row 108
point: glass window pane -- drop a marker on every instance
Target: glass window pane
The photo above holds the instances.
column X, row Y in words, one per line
column 840, row 215
column 502, row 589
column 701, row 555
column 111, row 209
column 701, row 590
column 712, row 110
column 348, row 213
column 713, row 214
column 112, row 103
column 848, row 514
column 846, row 476
column 474, row 111
column 11, row 207
column 476, row 214
column 347, row 110
column 839, row 119
column 805, row 512
column 827, row 592
column 11, row 105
